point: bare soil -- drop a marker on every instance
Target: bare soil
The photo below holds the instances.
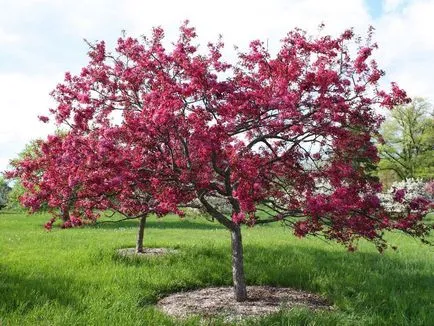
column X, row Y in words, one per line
column 130, row 252
column 220, row 302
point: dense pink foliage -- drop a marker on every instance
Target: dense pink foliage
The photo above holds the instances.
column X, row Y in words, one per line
column 288, row 135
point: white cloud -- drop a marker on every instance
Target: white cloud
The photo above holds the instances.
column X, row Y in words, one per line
column 407, row 46
column 8, row 38
column 25, row 98
column 242, row 21
column 392, row 5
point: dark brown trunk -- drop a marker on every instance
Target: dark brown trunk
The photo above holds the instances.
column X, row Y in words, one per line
column 240, row 289
column 140, row 234
column 239, row 282
column 65, row 214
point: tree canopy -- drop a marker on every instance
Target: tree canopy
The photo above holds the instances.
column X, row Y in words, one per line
column 284, row 138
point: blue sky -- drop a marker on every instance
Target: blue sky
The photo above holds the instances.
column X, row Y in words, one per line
column 41, row 39
column 375, row 8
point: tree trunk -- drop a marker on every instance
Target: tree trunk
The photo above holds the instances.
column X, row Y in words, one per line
column 238, row 279
column 65, row 214
column 238, row 265
column 139, row 243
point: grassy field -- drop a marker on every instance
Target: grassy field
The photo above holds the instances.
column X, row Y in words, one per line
column 74, row 277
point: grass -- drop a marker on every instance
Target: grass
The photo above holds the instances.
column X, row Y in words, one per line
column 73, row 277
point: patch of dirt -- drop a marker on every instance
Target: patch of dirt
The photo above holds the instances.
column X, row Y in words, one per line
column 219, row 301
column 131, row 252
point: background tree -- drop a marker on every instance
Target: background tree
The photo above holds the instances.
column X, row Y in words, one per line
column 4, row 192
column 30, row 151
column 17, row 190
column 408, row 148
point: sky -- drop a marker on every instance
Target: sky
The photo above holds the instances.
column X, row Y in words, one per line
column 42, row 39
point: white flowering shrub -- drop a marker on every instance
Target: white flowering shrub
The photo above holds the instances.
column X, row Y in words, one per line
column 219, row 203
column 429, row 189
column 406, row 194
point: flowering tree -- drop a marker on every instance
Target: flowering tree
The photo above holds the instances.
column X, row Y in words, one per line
column 39, row 167
column 77, row 176
column 288, row 135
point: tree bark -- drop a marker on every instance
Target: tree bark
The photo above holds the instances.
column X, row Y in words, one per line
column 238, row 279
column 140, row 234
column 240, row 289
column 65, row 214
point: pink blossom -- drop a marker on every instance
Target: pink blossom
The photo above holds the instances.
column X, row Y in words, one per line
column 238, row 218
column 43, row 118
column 399, row 195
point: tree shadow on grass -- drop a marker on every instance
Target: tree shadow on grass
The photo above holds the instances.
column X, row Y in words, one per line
column 161, row 223
column 7, row 212
column 21, row 293
column 370, row 283
column 370, row 288
column 191, row 268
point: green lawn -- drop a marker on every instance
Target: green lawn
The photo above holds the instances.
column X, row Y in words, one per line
column 73, row 277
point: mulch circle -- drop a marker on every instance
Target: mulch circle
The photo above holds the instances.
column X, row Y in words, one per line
column 220, row 302
column 131, row 252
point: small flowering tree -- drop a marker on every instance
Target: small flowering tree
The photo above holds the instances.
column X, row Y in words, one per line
column 288, row 135
column 28, row 171
column 76, row 177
